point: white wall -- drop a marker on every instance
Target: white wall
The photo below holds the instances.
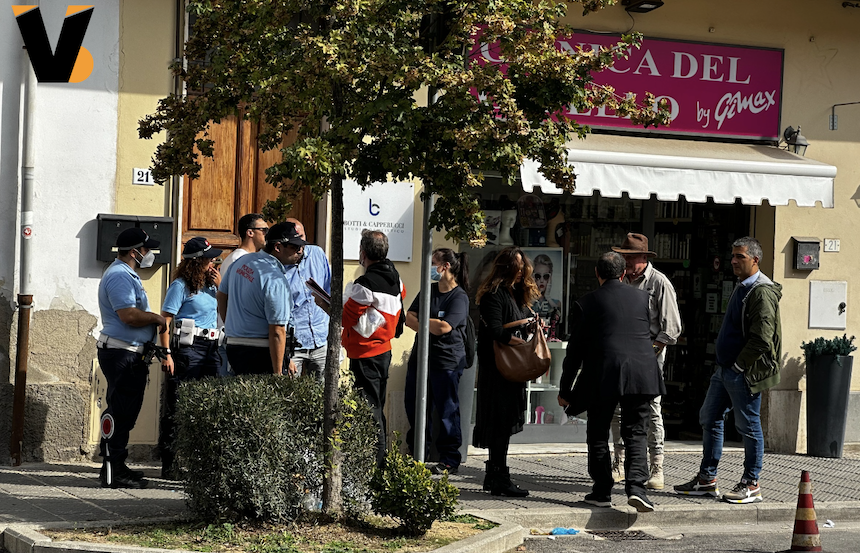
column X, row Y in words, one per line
column 75, row 149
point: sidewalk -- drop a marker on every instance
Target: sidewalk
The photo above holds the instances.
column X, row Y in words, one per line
column 45, row 494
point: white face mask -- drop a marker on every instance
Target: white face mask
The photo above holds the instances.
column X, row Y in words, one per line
column 147, row 260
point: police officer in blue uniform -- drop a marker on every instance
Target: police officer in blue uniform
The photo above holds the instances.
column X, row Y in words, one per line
column 127, row 327
column 193, row 350
column 255, row 302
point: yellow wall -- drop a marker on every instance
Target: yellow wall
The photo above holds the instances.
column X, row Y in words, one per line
column 821, row 69
column 146, row 49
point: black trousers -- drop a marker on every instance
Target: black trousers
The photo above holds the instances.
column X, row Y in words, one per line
column 126, row 374
column 193, row 362
column 250, row 359
column 371, row 377
column 634, row 425
column 443, row 396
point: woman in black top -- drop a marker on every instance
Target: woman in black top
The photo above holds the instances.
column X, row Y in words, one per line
column 505, row 296
column 449, row 307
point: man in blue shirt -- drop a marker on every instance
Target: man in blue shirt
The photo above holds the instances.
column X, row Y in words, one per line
column 748, row 361
column 308, row 319
column 254, row 300
column 127, row 324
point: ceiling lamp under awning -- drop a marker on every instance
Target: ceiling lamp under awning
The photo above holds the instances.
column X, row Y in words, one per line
column 697, row 170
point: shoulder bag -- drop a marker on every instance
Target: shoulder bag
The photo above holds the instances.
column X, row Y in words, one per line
column 526, row 361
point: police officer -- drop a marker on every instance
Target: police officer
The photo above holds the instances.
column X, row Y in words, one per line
column 255, row 301
column 127, row 324
column 190, row 300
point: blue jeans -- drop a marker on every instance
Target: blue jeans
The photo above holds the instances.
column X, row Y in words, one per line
column 729, row 390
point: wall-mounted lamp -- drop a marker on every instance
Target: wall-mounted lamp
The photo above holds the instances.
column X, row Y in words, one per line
column 795, row 141
column 641, row 6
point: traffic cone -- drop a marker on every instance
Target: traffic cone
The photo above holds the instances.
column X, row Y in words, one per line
column 806, row 536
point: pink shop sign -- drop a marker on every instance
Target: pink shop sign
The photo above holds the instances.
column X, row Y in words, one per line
column 712, row 89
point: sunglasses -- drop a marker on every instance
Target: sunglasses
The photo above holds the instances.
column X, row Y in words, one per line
column 542, row 276
column 264, row 230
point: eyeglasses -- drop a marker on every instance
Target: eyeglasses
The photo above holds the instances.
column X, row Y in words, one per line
column 264, row 230
column 542, row 276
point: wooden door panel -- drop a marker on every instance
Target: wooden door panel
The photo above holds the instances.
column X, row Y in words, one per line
column 211, row 200
column 304, row 207
column 233, row 183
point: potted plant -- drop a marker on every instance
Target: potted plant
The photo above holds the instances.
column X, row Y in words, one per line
column 828, row 384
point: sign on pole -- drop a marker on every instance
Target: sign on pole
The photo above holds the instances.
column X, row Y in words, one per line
column 387, row 207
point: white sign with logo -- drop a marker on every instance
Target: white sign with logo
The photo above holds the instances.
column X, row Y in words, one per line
column 387, row 207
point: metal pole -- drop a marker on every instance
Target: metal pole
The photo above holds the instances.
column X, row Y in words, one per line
column 25, row 295
column 423, row 330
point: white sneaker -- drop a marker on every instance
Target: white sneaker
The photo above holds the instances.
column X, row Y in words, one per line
column 744, row 492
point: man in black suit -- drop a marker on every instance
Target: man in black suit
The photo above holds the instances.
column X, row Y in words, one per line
column 611, row 340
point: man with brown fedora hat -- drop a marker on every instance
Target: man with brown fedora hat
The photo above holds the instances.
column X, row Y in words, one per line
column 665, row 329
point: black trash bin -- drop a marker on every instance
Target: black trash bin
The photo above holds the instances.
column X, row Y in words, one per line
column 828, row 384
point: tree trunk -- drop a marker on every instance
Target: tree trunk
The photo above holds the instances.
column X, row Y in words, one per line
column 332, row 481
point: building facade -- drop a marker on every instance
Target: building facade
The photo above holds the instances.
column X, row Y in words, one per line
column 87, row 150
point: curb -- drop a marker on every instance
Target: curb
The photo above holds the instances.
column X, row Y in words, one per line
column 504, row 537
column 623, row 518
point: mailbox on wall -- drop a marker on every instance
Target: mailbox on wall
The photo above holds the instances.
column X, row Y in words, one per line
column 158, row 228
column 806, row 253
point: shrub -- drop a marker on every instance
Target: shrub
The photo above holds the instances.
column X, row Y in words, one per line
column 824, row 346
column 252, row 447
column 403, row 489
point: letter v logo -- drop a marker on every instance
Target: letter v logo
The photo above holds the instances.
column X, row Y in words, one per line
column 70, row 62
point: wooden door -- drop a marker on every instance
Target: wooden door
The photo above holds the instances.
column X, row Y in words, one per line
column 233, row 183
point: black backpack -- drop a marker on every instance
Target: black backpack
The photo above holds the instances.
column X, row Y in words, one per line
column 470, row 341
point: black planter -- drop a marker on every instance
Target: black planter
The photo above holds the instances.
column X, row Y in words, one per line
column 828, row 384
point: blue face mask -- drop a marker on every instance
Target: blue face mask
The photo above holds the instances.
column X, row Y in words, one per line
column 434, row 274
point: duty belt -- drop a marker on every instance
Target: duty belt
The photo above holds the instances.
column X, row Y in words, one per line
column 106, row 342
column 207, row 333
column 253, row 342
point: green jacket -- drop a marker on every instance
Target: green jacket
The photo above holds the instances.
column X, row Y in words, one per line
column 761, row 355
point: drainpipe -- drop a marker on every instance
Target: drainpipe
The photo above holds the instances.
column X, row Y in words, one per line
column 176, row 181
column 25, row 294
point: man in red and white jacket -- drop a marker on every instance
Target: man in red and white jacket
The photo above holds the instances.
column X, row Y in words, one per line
column 372, row 316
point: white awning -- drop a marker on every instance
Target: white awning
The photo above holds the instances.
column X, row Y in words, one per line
column 697, row 170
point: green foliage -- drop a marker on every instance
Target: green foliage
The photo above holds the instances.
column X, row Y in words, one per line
column 404, row 490
column 252, row 447
column 824, row 346
column 346, row 77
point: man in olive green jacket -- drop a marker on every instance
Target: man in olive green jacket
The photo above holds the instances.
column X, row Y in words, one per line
column 748, row 361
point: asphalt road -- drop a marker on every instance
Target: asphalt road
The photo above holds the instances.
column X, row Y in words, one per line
column 759, row 539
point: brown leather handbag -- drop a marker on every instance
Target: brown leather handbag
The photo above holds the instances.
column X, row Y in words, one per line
column 526, row 361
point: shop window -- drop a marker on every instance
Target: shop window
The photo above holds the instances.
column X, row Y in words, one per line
column 564, row 235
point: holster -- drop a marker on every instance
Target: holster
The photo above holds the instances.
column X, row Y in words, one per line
column 186, row 332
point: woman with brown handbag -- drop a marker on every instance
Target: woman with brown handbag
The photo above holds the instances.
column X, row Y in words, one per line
column 505, row 296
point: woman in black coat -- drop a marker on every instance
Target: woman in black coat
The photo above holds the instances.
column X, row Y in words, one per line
column 505, row 296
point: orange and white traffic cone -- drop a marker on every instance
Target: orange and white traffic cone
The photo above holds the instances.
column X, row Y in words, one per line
column 806, row 536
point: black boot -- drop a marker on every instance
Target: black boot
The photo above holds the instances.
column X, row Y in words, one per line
column 502, row 484
column 490, row 476
column 168, row 466
column 117, row 475
column 133, row 474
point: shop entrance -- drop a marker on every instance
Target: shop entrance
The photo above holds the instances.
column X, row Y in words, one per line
column 564, row 235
